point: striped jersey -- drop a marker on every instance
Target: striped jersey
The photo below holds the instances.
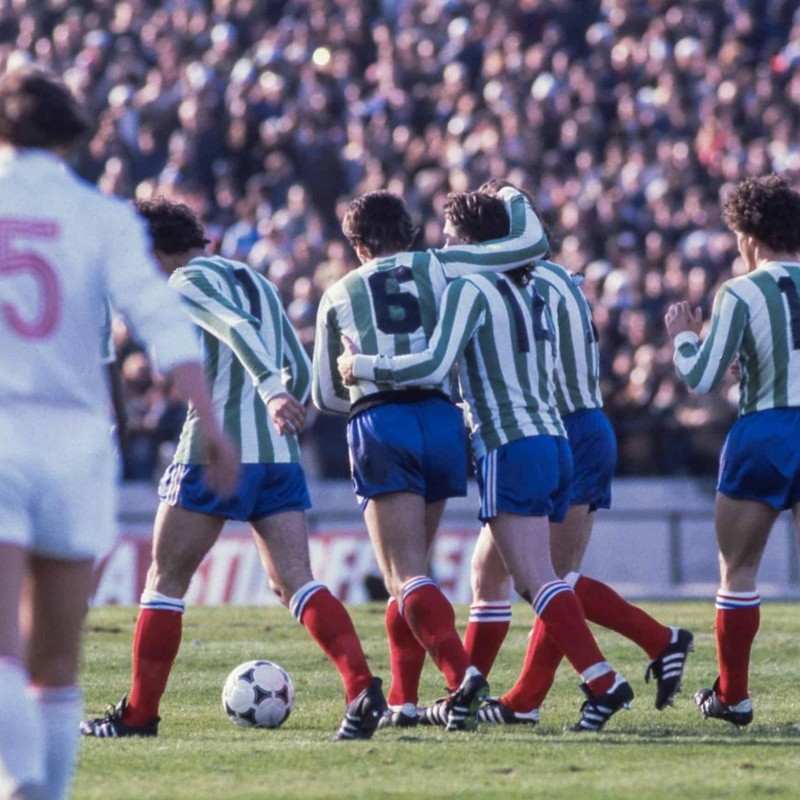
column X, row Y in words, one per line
column 250, row 351
column 756, row 316
column 578, row 356
column 503, row 339
column 390, row 305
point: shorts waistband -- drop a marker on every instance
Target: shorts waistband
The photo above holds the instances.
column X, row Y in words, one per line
column 403, row 396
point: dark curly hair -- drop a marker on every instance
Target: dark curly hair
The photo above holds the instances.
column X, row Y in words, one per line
column 380, row 222
column 38, row 110
column 174, row 227
column 767, row 209
column 480, row 217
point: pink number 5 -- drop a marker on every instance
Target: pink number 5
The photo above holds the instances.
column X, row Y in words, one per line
column 14, row 261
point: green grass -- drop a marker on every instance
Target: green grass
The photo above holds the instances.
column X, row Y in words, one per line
column 643, row 754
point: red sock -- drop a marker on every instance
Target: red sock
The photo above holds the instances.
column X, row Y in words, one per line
column 738, row 617
column 406, row 655
column 155, row 646
column 601, row 604
column 562, row 615
column 486, row 631
column 329, row 624
column 433, row 621
column 538, row 672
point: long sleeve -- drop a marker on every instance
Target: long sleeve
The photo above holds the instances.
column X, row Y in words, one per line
column 702, row 366
column 296, row 364
column 525, row 242
column 327, row 390
column 237, row 329
column 462, row 311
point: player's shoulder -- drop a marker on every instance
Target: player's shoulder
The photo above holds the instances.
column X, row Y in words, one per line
column 553, row 273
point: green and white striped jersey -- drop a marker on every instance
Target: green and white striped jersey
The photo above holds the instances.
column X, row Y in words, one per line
column 503, row 339
column 390, row 305
column 250, row 352
column 578, row 356
column 757, row 316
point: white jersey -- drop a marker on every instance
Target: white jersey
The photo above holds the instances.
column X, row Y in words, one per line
column 65, row 248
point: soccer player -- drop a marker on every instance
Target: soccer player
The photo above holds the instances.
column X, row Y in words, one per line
column 260, row 378
column 407, row 445
column 64, row 247
column 756, row 318
column 593, row 447
column 499, row 331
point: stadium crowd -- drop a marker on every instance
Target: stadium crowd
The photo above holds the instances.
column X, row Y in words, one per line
column 626, row 119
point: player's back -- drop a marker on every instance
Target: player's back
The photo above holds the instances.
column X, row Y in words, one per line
column 388, row 306
column 56, row 236
column 506, row 370
column 225, row 297
column 577, row 352
column 768, row 302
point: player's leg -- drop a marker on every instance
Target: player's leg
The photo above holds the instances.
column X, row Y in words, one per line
column 280, row 498
column 523, row 484
column 490, row 610
column 759, row 469
column 54, row 611
column 181, row 540
column 22, row 751
column 406, row 654
column 282, row 541
column 407, row 458
column 666, row 647
column 743, row 527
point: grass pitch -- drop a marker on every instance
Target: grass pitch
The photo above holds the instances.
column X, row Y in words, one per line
column 643, row 754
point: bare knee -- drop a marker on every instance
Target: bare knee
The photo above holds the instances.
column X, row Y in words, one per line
column 168, row 579
column 489, row 579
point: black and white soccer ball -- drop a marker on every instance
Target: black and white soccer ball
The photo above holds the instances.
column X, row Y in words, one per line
column 258, row 694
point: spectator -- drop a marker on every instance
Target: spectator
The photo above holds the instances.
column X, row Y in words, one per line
column 627, row 120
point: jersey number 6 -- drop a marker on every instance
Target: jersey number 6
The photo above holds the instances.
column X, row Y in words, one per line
column 395, row 311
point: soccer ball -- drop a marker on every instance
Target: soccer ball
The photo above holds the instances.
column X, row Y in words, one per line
column 258, row 694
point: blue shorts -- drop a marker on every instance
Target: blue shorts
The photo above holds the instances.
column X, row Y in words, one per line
column 594, row 458
column 761, row 458
column 530, row 477
column 264, row 489
column 418, row 447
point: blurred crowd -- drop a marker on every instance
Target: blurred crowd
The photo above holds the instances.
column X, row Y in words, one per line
column 626, row 119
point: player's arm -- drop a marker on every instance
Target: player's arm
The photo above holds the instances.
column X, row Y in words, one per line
column 211, row 310
column 702, row 366
column 525, row 242
column 327, row 389
column 462, row 311
column 281, row 339
column 136, row 287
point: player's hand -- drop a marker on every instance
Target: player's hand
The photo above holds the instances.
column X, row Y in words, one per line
column 287, row 413
column 223, row 464
column 736, row 368
column 345, row 361
column 680, row 318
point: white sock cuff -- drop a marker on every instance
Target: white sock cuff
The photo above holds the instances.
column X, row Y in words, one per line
column 297, row 605
column 160, row 602
column 596, row 671
column 490, row 611
column 572, row 578
column 732, row 601
column 411, row 585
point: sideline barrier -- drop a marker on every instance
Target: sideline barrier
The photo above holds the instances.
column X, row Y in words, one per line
column 657, row 542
